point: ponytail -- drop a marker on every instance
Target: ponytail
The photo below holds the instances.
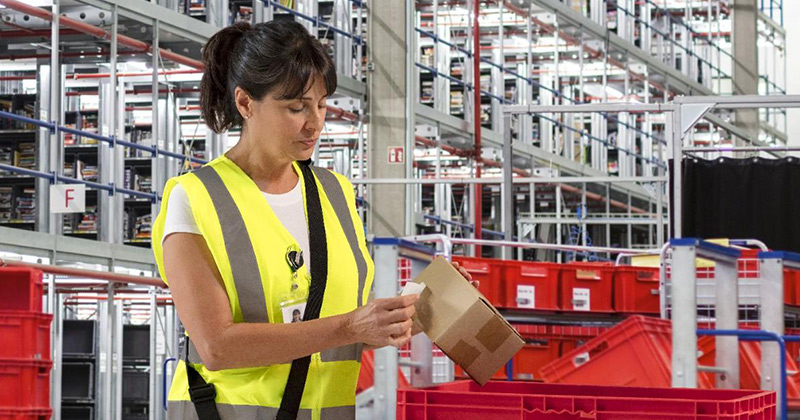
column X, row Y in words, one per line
column 216, row 92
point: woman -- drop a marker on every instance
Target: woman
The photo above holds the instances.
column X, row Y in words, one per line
column 258, row 236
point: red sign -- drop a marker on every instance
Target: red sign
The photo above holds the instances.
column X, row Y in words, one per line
column 397, row 155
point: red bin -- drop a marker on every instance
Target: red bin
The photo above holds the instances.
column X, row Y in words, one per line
column 531, row 285
column 488, row 274
column 25, row 335
column 22, row 289
column 636, row 290
column 25, row 383
column 7, row 413
column 587, row 287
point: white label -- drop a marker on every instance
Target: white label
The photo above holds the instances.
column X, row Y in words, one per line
column 412, row 288
column 67, row 198
column 580, row 359
column 526, row 296
column 580, row 299
column 102, row 362
column 160, row 341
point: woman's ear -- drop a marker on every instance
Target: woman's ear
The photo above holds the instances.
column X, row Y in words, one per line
column 244, row 103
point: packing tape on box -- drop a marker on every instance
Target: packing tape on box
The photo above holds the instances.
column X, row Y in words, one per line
column 493, row 334
column 464, row 353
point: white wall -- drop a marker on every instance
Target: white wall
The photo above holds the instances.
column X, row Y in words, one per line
column 791, row 10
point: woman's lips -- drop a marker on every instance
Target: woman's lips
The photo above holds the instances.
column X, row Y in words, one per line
column 309, row 143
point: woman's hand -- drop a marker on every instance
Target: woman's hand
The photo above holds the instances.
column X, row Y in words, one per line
column 465, row 273
column 383, row 322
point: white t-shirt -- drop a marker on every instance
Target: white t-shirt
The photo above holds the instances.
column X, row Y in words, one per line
column 287, row 207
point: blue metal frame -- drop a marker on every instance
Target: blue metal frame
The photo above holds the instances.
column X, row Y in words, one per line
column 402, row 243
column 772, row 6
column 530, row 81
column 706, row 246
column 759, row 335
column 112, row 141
column 53, row 127
column 786, row 256
column 439, row 220
column 164, row 380
column 583, row 133
column 316, row 20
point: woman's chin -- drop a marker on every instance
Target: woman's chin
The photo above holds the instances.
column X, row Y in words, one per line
column 305, row 155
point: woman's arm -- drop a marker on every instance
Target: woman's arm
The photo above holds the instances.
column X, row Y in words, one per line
column 202, row 304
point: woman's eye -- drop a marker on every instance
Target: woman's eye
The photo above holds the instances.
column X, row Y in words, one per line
column 296, row 111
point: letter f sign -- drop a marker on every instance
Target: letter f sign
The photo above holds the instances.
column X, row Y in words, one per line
column 68, row 196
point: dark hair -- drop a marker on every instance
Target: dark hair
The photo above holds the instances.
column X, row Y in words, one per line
column 276, row 57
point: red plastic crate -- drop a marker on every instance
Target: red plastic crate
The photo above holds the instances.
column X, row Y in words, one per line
column 529, row 401
column 24, row 414
column 488, row 273
column 25, row 335
column 791, row 287
column 642, row 344
column 587, row 287
column 24, row 383
column 636, row 290
column 531, row 285
column 793, row 348
column 749, row 366
column 531, row 358
column 366, row 376
column 22, row 289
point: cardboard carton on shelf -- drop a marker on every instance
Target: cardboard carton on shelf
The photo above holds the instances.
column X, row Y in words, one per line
column 462, row 323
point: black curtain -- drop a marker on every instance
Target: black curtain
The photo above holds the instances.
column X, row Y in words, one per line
column 743, row 199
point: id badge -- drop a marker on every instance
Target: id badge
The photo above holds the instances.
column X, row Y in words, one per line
column 293, row 303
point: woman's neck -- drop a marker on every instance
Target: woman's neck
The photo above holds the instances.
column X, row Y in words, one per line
column 272, row 176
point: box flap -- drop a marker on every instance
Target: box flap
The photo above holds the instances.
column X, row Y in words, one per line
column 447, row 292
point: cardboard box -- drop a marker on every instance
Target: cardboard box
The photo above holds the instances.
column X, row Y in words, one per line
column 461, row 322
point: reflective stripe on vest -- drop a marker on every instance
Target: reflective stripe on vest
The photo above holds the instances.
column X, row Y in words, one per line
column 246, row 274
column 339, row 203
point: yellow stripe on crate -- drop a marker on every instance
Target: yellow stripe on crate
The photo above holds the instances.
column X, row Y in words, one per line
column 655, row 260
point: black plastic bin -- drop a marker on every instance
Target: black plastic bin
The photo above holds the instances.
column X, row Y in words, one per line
column 136, row 342
column 77, row 412
column 135, row 386
column 77, row 381
column 79, row 337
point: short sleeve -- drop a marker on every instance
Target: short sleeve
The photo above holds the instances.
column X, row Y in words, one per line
column 179, row 217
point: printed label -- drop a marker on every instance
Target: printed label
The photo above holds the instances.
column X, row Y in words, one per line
column 580, row 359
column 580, row 299
column 526, row 296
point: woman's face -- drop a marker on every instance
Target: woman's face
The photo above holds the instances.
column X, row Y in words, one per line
column 287, row 129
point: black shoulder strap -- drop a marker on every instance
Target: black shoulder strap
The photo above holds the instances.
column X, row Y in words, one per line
column 318, row 242
column 202, row 394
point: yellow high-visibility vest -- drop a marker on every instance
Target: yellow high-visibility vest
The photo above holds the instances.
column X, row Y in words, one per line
column 249, row 245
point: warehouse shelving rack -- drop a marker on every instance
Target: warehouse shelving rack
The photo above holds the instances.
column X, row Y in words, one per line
column 619, row 47
column 174, row 147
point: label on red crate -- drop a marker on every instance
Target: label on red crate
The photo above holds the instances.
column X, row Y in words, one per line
column 580, row 299
column 526, row 296
column 580, row 359
column 587, row 275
